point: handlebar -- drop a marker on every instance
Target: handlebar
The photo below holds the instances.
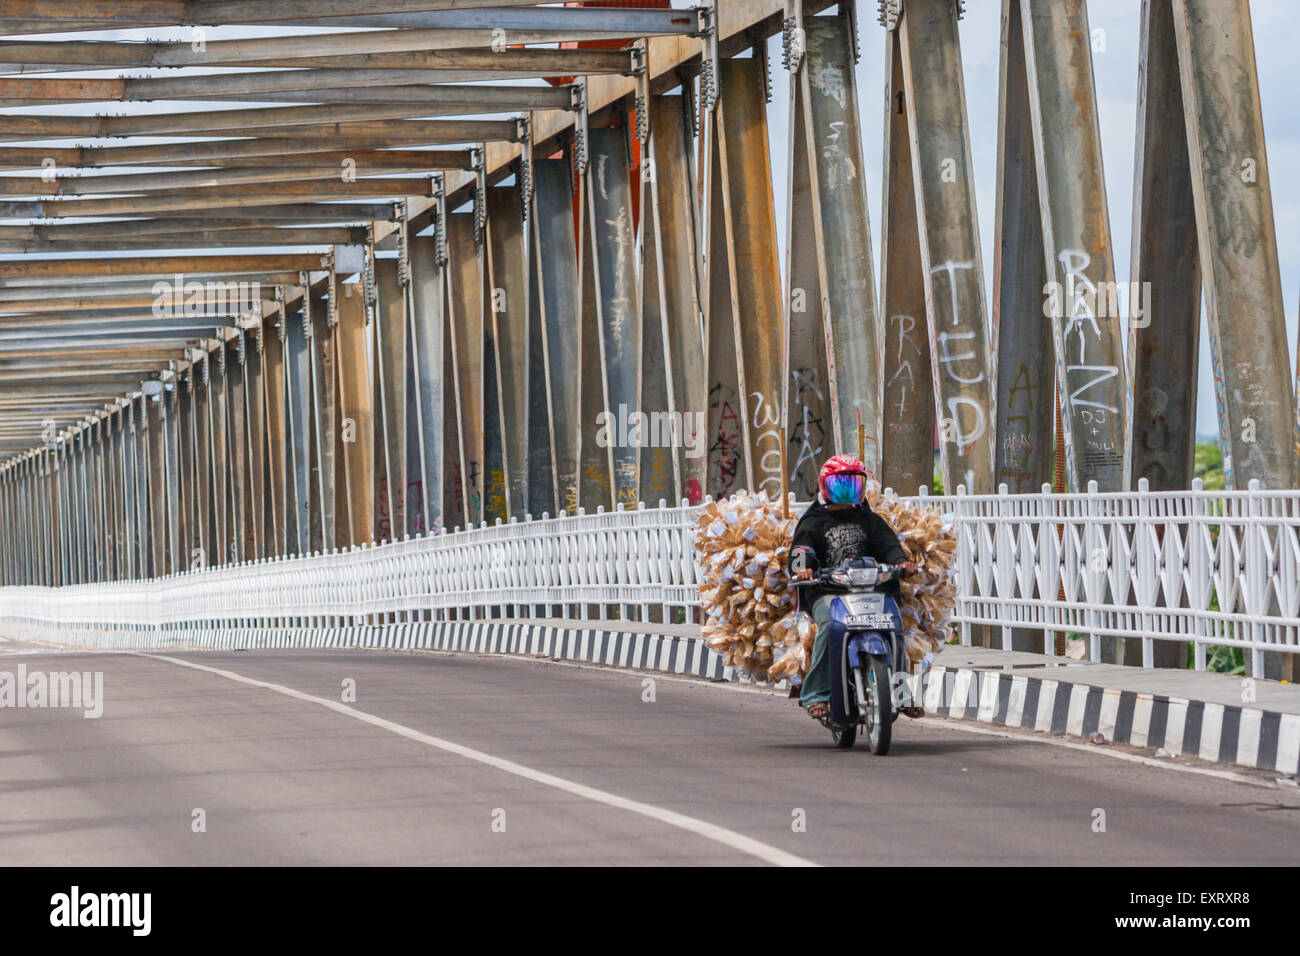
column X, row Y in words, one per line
column 884, row 572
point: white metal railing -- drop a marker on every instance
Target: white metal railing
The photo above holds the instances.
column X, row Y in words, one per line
column 631, row 558
column 1210, row 567
column 1213, row 568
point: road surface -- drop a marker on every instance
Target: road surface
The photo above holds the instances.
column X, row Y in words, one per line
column 463, row 759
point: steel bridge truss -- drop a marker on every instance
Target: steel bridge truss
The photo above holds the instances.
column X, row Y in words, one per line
column 460, row 295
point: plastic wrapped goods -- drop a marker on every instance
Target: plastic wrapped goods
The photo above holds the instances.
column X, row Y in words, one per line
column 743, row 548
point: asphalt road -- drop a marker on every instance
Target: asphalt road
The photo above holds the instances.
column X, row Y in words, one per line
column 459, row 759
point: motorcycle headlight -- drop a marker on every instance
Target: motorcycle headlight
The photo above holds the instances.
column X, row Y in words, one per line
column 862, row 577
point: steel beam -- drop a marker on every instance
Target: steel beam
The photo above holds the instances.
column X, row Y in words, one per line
column 555, row 263
column 907, row 407
column 747, row 292
column 390, row 365
column 112, row 14
column 672, row 298
column 935, row 101
column 203, row 550
column 1237, row 241
column 189, row 266
column 427, row 303
column 285, row 50
column 466, row 321
column 618, row 306
column 308, row 86
column 509, row 277
column 1026, row 384
column 1086, row 321
column 1162, row 355
column 356, row 443
column 324, row 520
column 835, row 233
column 224, row 198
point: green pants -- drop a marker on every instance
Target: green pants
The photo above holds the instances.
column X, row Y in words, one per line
column 816, row 685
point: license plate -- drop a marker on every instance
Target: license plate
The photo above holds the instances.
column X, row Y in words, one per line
column 885, row 621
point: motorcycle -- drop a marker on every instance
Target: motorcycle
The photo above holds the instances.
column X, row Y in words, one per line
column 866, row 651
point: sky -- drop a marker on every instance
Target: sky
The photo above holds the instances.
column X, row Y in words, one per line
column 1115, row 69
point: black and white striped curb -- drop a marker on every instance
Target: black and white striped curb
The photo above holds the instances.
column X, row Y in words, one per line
column 670, row 653
column 1265, row 739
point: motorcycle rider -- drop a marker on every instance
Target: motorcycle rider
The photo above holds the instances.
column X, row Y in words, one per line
column 838, row 527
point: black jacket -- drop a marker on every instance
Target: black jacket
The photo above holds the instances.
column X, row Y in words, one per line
column 827, row 537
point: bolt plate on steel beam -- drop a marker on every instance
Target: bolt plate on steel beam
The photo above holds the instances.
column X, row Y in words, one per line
column 479, row 162
column 642, row 94
column 792, row 38
column 709, row 61
column 440, row 223
column 580, row 130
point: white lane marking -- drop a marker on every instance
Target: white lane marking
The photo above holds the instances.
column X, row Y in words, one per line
column 729, row 838
column 933, row 719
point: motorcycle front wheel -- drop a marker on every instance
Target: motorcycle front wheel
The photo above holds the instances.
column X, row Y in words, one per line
column 878, row 708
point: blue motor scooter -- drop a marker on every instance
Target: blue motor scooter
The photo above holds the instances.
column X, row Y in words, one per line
column 865, row 648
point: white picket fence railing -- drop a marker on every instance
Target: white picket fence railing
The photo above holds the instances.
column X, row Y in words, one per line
column 630, row 558
column 1210, row 567
column 1214, row 568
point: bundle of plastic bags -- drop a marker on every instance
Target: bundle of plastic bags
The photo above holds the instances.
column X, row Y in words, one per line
column 743, row 548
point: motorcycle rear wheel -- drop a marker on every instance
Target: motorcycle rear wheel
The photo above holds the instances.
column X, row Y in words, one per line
column 845, row 737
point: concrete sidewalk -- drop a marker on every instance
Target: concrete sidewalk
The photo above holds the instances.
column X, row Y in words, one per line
column 1208, row 716
column 1192, row 685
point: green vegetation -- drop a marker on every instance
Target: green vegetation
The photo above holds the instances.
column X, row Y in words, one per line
column 1208, row 465
column 1223, row 660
